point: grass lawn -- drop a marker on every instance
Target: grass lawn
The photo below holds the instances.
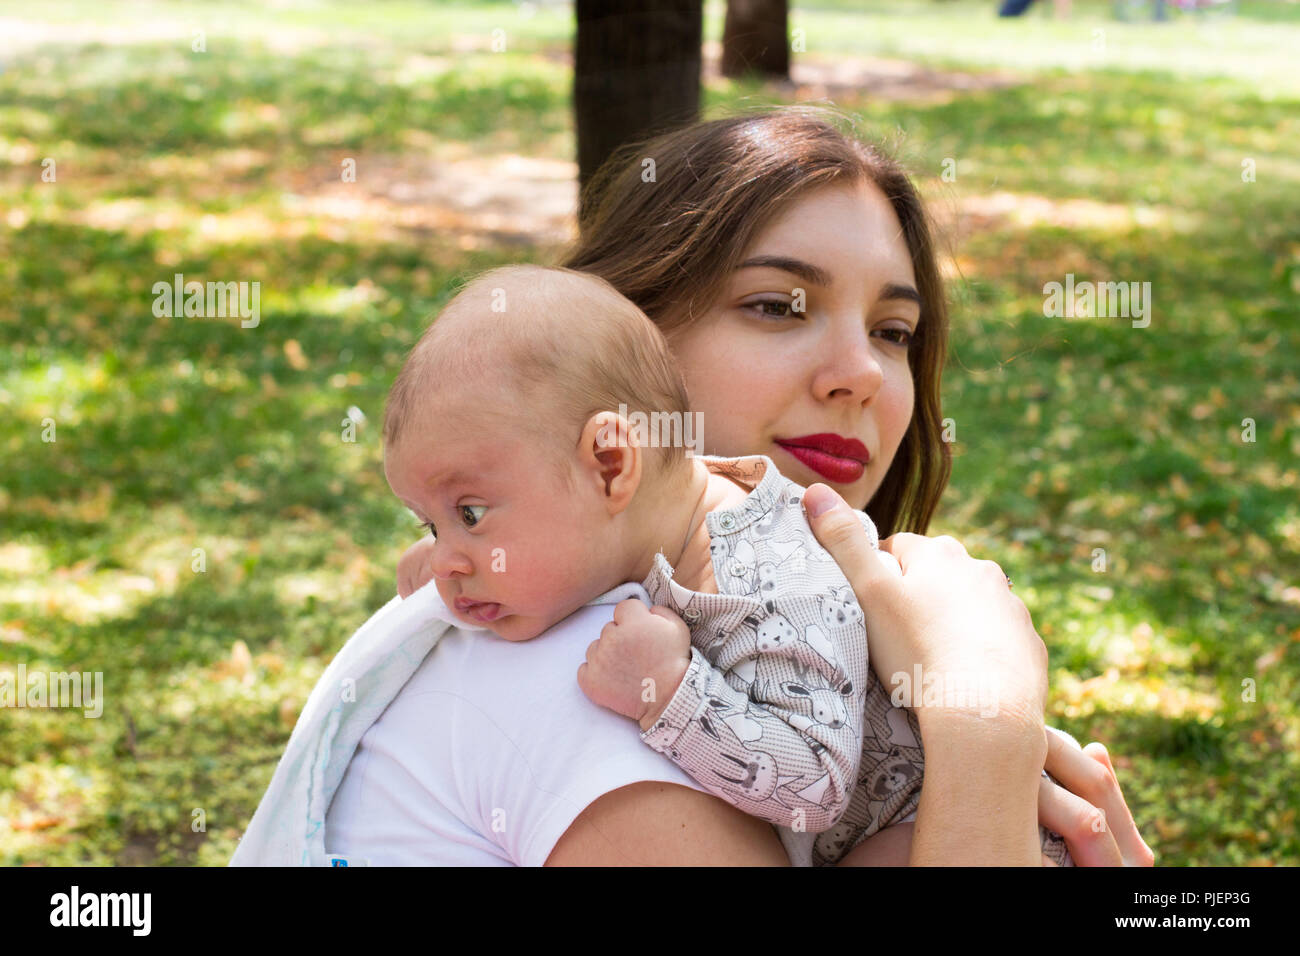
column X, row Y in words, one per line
column 201, row 531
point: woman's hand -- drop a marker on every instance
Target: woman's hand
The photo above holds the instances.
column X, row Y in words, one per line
column 1088, row 809
column 415, row 567
column 956, row 620
column 951, row 615
column 945, row 598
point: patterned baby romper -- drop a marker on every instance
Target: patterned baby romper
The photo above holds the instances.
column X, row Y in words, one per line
column 778, row 713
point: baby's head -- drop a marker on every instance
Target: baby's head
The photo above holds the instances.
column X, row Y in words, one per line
column 503, row 432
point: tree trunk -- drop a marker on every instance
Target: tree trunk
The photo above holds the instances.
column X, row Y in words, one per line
column 754, row 38
column 636, row 72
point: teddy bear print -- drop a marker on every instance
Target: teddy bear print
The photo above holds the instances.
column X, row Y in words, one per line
column 840, row 608
column 832, row 844
column 891, row 783
column 790, row 557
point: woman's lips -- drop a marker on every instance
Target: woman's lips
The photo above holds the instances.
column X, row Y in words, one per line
column 839, row 460
column 482, row 611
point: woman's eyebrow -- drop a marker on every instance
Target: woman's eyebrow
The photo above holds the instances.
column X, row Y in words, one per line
column 819, row 276
column 804, row 270
column 896, row 290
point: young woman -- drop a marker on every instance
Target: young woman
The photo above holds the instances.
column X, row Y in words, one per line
column 791, row 268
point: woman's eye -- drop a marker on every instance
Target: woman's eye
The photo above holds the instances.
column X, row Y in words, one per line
column 773, row 308
column 433, row 532
column 901, row 337
column 472, row 514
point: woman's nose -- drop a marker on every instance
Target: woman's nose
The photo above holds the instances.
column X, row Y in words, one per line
column 851, row 369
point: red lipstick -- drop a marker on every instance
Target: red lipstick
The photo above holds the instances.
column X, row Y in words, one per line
column 838, row 459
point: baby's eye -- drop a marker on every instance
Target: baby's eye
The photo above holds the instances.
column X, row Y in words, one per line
column 472, row 514
column 433, row 532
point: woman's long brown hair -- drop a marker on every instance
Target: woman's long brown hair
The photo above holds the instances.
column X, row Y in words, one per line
column 668, row 233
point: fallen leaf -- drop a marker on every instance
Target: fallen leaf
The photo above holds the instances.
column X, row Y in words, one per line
column 1169, row 830
column 293, row 352
column 239, row 664
column 27, row 823
column 1270, row 658
column 289, row 712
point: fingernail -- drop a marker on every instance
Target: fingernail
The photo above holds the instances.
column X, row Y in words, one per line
column 818, row 500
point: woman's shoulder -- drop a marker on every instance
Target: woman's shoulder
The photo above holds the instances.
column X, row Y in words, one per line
column 488, row 727
column 523, row 694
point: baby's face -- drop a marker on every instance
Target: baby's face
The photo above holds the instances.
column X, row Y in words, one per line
column 516, row 550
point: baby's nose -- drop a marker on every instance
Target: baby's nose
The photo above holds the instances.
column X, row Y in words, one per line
column 448, row 562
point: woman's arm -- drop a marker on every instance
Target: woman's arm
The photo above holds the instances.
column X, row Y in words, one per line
column 979, row 799
column 661, row 824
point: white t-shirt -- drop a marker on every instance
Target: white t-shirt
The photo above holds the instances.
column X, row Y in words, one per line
column 488, row 754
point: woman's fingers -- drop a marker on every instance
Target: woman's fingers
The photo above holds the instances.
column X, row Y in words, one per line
column 840, row 532
column 1080, row 823
column 891, row 563
column 1133, row 848
column 1087, row 775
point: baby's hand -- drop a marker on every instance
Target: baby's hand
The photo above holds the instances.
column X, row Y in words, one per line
column 415, row 567
column 639, row 644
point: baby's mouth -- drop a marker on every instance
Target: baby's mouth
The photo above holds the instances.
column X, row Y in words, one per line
column 483, row 611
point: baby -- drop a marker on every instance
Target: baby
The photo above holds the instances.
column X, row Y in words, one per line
column 751, row 670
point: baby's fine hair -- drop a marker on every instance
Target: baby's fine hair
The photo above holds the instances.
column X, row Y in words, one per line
column 552, row 347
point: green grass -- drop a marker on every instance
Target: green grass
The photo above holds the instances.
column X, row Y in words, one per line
column 178, row 434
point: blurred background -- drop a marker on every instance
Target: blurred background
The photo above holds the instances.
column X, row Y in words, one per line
column 197, row 509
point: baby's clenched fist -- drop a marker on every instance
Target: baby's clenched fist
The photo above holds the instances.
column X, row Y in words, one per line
column 638, row 663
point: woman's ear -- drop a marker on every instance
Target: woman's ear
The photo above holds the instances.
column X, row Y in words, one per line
column 610, row 457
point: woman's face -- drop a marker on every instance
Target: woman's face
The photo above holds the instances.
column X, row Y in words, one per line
column 819, row 381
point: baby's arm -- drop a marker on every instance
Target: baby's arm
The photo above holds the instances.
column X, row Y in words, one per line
column 644, row 667
column 747, row 739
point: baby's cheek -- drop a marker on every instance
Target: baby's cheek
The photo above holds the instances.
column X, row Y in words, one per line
column 541, row 580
